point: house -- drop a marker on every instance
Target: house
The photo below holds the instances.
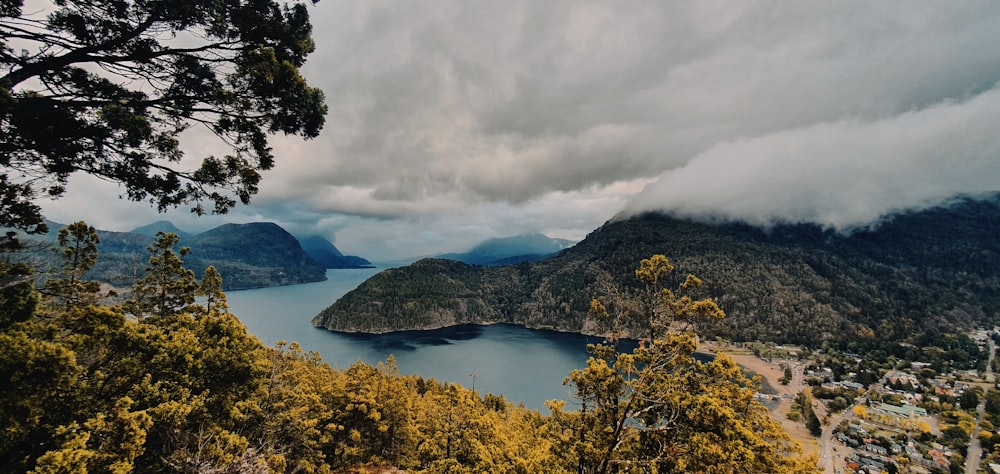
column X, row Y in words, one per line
column 908, row 411
column 937, row 457
column 902, row 379
column 874, row 448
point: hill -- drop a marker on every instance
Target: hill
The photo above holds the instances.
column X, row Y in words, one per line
column 150, row 230
column 326, row 254
column 247, row 255
column 916, row 274
column 511, row 250
column 253, row 255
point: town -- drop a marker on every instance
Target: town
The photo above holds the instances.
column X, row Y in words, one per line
column 928, row 409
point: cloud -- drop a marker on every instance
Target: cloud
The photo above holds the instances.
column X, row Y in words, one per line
column 484, row 102
column 460, row 119
column 842, row 175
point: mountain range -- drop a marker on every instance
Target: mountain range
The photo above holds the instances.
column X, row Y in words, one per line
column 326, row 254
column 250, row 255
column 915, row 274
column 511, row 250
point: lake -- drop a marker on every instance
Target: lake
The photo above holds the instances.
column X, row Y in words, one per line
column 524, row 365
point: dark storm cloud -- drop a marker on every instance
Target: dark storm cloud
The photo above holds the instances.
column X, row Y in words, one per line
column 508, row 102
column 448, row 113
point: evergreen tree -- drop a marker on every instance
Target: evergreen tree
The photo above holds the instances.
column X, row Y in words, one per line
column 167, row 288
column 18, row 298
column 211, row 289
column 108, row 87
column 78, row 253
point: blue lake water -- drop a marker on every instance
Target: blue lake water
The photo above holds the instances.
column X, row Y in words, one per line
column 525, row 366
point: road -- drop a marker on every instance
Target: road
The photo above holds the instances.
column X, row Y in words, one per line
column 828, row 455
column 975, row 450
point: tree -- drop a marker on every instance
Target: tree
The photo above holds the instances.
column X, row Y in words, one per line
column 970, row 398
column 654, row 308
column 804, row 400
column 107, row 87
column 787, row 377
column 658, row 409
column 104, row 443
column 18, row 297
column 211, row 289
column 167, row 288
column 78, row 253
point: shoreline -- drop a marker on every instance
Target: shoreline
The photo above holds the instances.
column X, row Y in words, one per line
column 769, row 373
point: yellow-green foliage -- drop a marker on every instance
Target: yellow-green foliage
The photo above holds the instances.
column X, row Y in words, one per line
column 93, row 389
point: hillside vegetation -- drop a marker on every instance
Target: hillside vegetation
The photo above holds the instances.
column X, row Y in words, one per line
column 326, row 254
column 253, row 255
column 918, row 273
column 170, row 381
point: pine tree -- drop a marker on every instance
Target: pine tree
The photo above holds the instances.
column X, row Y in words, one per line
column 167, row 288
column 78, row 254
column 105, row 88
column 211, row 289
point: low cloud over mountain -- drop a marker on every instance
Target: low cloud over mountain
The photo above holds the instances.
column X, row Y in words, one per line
column 452, row 122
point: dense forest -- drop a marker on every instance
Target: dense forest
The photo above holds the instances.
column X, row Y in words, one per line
column 170, row 381
column 916, row 274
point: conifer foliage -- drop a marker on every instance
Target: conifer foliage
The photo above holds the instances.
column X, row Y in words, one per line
column 107, row 87
column 167, row 288
column 78, row 253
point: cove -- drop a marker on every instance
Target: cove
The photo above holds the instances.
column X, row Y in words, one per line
column 524, row 365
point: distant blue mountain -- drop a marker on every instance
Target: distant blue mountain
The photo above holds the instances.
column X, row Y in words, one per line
column 511, row 250
column 166, row 227
column 253, row 255
column 326, row 254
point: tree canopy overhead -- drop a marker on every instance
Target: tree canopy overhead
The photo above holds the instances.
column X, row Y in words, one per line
column 106, row 87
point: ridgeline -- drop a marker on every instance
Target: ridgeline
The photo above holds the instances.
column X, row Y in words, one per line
column 253, row 255
column 918, row 273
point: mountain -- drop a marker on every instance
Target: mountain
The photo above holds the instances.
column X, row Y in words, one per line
column 247, row 255
column 326, row 254
column 252, row 255
column 511, row 250
column 150, row 230
column 915, row 275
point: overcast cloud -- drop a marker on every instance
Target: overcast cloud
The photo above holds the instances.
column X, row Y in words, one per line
column 452, row 122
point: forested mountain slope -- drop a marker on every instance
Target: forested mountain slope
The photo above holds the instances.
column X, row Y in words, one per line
column 326, row 254
column 927, row 271
column 251, row 255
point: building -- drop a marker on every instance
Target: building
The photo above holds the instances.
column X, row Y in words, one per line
column 905, row 410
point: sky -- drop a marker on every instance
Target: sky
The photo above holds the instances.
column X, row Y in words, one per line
column 456, row 121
